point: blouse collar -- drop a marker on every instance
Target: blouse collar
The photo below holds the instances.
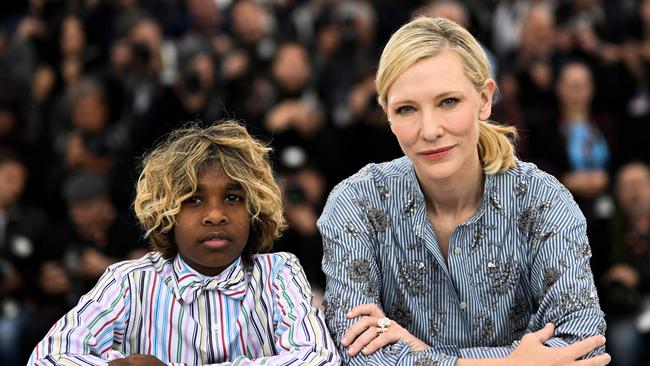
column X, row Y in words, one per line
column 190, row 284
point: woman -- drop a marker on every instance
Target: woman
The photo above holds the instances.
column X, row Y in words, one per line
column 457, row 253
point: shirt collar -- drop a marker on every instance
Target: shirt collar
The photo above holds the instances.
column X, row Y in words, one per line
column 488, row 192
column 231, row 282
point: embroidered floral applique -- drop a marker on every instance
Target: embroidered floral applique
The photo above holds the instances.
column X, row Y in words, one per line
column 383, row 192
column 477, row 239
column 570, row 302
column 518, row 315
column 400, row 313
column 494, row 201
column 412, row 276
column 503, row 276
column 359, row 270
column 350, row 229
column 437, row 324
column 410, row 206
column 334, row 305
column 551, row 275
column 521, row 188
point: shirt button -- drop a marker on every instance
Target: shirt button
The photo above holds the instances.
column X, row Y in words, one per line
column 216, row 328
column 462, row 305
column 457, row 250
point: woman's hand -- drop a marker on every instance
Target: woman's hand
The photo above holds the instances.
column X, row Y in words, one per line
column 532, row 351
column 367, row 336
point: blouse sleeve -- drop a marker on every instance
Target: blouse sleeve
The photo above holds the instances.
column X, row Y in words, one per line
column 354, row 278
column 86, row 334
column 561, row 278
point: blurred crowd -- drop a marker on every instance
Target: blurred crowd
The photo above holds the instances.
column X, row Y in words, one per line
column 86, row 86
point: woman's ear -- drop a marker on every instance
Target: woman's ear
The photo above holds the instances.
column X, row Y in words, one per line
column 487, row 92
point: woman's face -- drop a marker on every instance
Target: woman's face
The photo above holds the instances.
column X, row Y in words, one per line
column 434, row 110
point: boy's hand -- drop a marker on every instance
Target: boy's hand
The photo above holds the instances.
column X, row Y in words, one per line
column 137, row 360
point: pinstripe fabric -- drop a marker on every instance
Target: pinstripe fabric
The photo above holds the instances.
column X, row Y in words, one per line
column 252, row 314
column 520, row 261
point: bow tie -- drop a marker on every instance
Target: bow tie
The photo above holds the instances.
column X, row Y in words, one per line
column 232, row 282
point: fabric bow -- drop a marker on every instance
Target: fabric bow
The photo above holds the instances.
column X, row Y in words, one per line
column 231, row 281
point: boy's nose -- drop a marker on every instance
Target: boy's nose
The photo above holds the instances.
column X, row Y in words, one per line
column 214, row 215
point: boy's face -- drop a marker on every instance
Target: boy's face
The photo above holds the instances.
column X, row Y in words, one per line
column 212, row 227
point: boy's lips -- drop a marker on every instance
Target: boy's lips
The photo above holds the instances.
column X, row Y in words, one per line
column 215, row 239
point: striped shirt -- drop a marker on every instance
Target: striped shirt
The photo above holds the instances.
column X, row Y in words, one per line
column 520, row 261
column 250, row 314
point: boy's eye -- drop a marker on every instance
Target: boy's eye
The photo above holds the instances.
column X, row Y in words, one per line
column 448, row 102
column 192, row 200
column 234, row 198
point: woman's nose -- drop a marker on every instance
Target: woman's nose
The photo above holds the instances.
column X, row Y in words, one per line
column 431, row 128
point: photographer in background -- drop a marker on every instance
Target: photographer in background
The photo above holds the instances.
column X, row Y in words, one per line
column 304, row 192
column 22, row 231
column 627, row 281
column 94, row 236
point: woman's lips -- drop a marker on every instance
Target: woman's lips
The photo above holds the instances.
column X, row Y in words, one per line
column 436, row 154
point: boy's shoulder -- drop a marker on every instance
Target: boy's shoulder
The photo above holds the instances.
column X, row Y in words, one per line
column 274, row 260
column 150, row 262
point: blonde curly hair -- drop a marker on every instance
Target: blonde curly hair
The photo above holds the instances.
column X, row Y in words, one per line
column 170, row 173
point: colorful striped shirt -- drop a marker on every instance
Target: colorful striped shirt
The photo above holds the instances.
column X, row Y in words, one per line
column 520, row 261
column 250, row 314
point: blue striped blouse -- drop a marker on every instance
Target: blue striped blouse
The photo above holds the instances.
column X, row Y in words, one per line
column 520, row 261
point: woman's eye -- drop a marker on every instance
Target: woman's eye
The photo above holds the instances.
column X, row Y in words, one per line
column 448, row 102
column 404, row 109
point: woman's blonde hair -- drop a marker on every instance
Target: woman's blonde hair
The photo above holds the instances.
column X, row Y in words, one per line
column 426, row 37
column 170, row 173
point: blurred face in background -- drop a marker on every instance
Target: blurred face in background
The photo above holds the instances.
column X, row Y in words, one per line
column 250, row 21
column 633, row 190
column 90, row 215
column 575, row 86
column 89, row 113
column 538, row 32
column 12, row 182
column 73, row 38
column 291, row 67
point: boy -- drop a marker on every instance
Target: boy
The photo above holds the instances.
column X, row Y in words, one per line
column 208, row 202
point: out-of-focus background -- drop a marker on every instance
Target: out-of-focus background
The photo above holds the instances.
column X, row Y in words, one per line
column 87, row 86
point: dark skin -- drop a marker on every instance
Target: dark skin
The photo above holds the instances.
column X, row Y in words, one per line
column 218, row 206
column 137, row 360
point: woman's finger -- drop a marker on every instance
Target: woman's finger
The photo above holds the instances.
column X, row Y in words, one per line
column 360, row 344
column 390, row 336
column 358, row 328
column 545, row 333
column 365, row 309
column 599, row 360
column 579, row 349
